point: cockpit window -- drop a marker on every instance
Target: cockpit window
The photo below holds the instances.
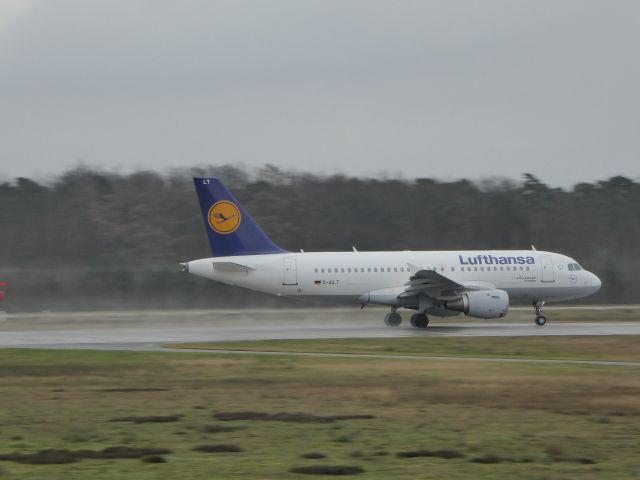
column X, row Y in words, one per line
column 570, row 267
column 578, row 267
column 574, row 267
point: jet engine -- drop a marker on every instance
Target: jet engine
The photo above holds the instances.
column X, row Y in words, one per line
column 481, row 303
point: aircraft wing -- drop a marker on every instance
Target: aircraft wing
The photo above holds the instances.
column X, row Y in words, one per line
column 432, row 284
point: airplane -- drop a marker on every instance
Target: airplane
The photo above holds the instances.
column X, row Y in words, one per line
column 478, row 283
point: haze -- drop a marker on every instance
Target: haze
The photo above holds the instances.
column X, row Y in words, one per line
column 413, row 88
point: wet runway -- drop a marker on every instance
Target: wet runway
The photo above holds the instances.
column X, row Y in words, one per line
column 151, row 330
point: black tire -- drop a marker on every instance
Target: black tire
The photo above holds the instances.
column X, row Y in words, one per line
column 419, row 320
column 541, row 320
column 392, row 319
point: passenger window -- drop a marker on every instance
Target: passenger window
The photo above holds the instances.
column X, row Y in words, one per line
column 502, row 269
column 375, row 269
column 482, row 269
column 475, row 269
column 362, row 269
column 527, row 269
column 395, row 269
column 315, row 270
column 521, row 268
column 322, row 270
column 453, row 269
column 402, row 269
column 342, row 270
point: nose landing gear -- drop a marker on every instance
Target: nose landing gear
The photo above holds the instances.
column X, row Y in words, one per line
column 540, row 319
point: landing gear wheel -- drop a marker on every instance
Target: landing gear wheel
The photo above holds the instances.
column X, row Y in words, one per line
column 392, row 319
column 419, row 320
column 540, row 319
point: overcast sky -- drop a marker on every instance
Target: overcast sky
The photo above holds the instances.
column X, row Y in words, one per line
column 443, row 89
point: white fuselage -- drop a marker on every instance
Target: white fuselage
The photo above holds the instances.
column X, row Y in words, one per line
column 378, row 277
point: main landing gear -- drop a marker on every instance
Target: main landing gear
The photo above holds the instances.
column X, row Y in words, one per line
column 419, row 320
column 540, row 319
column 392, row 319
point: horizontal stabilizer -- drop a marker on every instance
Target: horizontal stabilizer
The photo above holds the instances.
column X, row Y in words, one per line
column 232, row 267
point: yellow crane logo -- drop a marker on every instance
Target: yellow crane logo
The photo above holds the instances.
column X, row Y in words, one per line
column 224, row 217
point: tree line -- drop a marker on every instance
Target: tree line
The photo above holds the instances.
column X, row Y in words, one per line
column 90, row 239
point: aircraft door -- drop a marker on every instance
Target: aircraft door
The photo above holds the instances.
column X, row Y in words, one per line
column 547, row 268
column 290, row 272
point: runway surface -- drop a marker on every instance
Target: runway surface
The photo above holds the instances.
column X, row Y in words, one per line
column 151, row 330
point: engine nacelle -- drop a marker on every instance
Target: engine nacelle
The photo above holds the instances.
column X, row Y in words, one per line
column 481, row 303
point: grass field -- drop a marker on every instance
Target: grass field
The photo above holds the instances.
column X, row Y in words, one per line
column 203, row 416
column 610, row 348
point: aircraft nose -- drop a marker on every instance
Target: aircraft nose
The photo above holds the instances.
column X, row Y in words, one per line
column 594, row 282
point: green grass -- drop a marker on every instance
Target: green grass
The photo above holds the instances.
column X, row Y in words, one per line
column 612, row 348
column 536, row 421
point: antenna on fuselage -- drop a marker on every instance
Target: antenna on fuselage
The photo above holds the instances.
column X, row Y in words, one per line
column 354, row 248
column 533, row 247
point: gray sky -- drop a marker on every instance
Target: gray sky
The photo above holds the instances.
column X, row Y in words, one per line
column 443, row 89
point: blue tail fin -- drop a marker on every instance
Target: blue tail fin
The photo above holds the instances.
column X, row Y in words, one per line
column 230, row 228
